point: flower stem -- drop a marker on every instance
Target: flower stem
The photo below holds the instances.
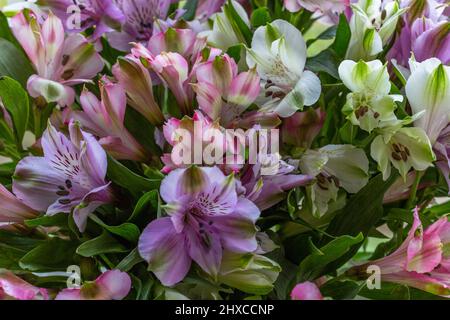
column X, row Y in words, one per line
column 413, row 191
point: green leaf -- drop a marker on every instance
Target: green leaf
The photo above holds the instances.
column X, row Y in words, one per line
column 328, row 34
column 239, row 26
column 5, row 31
column 105, row 243
column 127, row 179
column 326, row 62
column 15, row 100
column 191, row 8
column 132, row 259
column 343, row 35
column 142, row 130
column 348, row 132
column 360, row 215
column 235, row 52
column 388, row 291
column 363, row 210
column 340, row 290
column 10, row 257
column 260, row 17
column 148, row 203
column 53, row 255
column 127, row 230
column 317, row 263
column 18, row 240
column 13, row 63
column 59, row 220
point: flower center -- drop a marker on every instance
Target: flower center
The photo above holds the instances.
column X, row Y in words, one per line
column 400, row 152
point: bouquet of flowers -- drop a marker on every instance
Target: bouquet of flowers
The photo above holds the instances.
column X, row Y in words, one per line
column 224, row 149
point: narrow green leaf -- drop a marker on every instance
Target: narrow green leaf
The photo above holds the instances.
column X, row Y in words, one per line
column 132, row 259
column 316, row 264
column 343, row 34
column 105, row 243
column 128, row 231
column 127, row 179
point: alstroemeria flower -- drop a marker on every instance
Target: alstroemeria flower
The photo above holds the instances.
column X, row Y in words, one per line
column 111, row 285
column 206, row 217
column 185, row 135
column 301, row 129
column 404, row 148
column 428, row 88
column 369, row 106
column 70, row 176
column 431, row 9
column 137, row 82
column 182, row 41
column 222, row 93
column 422, row 261
column 268, row 190
column 279, row 53
column 306, row 291
column 250, row 273
column 323, row 6
column 372, row 25
column 14, row 288
column 425, row 39
column 173, row 70
column 223, row 34
column 12, row 210
column 176, row 71
column 334, row 166
column 140, row 16
column 60, row 61
column 105, row 119
column 104, row 15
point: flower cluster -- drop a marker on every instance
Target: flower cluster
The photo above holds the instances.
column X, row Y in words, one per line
column 164, row 149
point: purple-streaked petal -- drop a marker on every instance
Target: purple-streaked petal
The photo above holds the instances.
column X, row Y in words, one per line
column 165, row 251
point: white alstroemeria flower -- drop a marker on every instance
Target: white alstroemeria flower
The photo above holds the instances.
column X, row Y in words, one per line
column 369, row 106
column 372, row 25
column 404, row 148
column 428, row 88
column 11, row 7
column 279, row 53
column 223, row 34
column 334, row 166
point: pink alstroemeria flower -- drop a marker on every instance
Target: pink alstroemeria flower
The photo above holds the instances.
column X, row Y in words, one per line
column 60, row 62
column 200, row 130
column 224, row 94
column 70, row 176
column 111, row 285
column 182, row 41
column 306, row 291
column 174, row 70
column 302, row 128
column 14, row 288
column 206, row 217
column 422, row 261
column 12, row 210
column 138, row 84
column 105, row 119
